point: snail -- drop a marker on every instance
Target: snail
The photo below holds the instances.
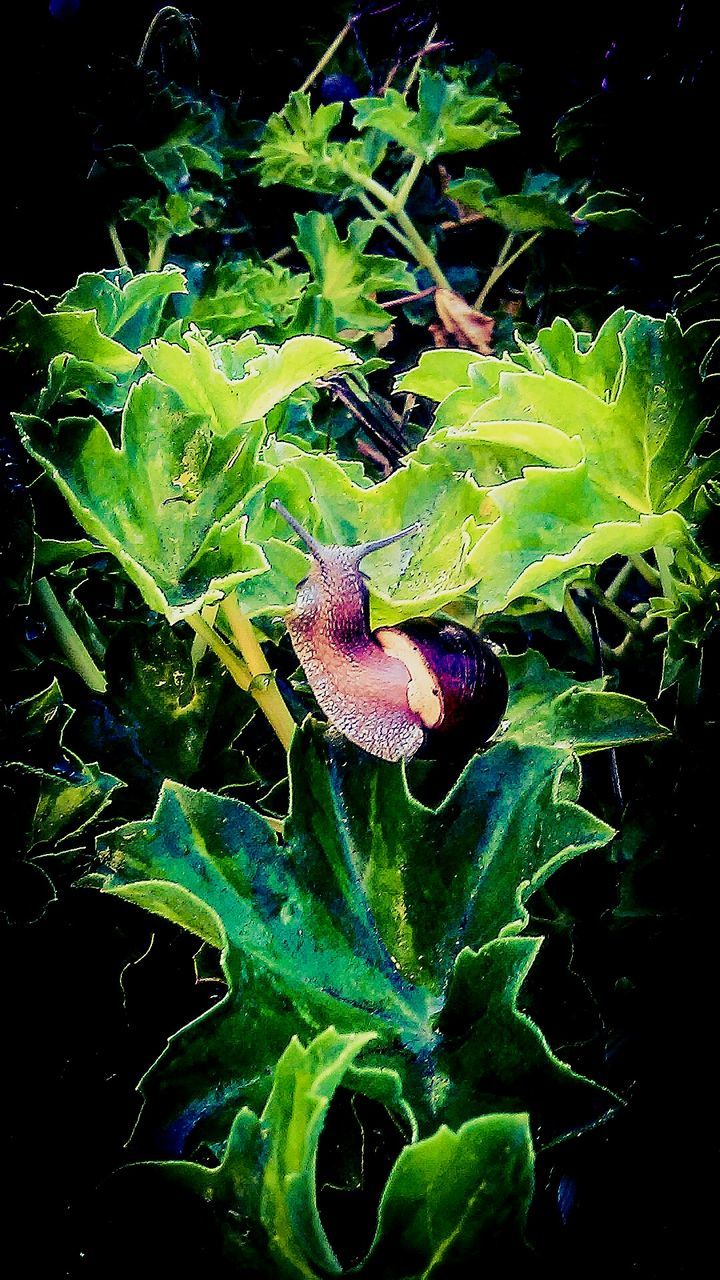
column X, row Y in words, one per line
column 427, row 685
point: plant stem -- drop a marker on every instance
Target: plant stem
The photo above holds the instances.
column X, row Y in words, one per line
column 328, row 54
column 579, row 623
column 603, row 598
column 117, row 246
column 422, row 252
column 645, row 570
column 159, row 17
column 382, row 220
column 503, row 264
column 664, row 559
column 408, row 297
column 418, row 62
column 263, row 687
column 227, row 656
column 157, row 254
column 408, row 182
column 68, row 639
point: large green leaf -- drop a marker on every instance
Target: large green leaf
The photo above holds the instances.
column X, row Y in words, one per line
column 414, row 577
column 91, row 338
column 616, row 420
column 356, row 919
column 238, row 382
column 448, row 118
column 166, row 502
column 447, row 1197
column 344, row 276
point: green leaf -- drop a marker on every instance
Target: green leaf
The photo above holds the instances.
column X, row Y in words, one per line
column 414, row 577
column 344, row 276
column 62, row 794
column 92, row 337
column 245, row 295
column 449, row 118
column 356, row 921
column 127, row 307
column 493, row 1055
column 211, row 384
column 628, row 407
column 166, row 502
column 540, row 205
column 296, row 148
column 447, row 1196
column 548, row 708
column 612, row 210
column 453, row 1198
column 304, row 1084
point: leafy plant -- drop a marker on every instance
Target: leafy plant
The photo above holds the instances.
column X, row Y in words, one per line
column 378, row 931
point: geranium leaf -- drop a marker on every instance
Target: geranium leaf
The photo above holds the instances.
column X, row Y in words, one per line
column 548, row 708
column 351, row 924
column 453, row 1199
column 166, row 502
column 448, row 118
column 414, row 577
column 232, row 383
column 345, row 277
column 245, row 295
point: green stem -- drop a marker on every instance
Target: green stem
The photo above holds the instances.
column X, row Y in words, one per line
column 579, row 623
column 68, row 639
column 503, row 264
column 403, row 192
column 227, row 656
column 157, row 254
column 606, row 601
column 383, row 221
column 645, row 570
column 117, row 245
column 264, row 686
column 421, row 251
column 664, row 559
column 328, row 54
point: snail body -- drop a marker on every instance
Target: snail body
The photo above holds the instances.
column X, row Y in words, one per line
column 416, row 687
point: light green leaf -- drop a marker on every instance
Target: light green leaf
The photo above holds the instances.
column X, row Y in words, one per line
column 415, row 576
column 305, row 1081
column 628, row 407
column 166, row 503
column 345, row 277
column 296, row 148
column 245, row 295
column 448, row 118
column 226, row 392
column 454, row 1199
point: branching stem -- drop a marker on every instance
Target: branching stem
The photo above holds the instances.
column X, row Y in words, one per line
column 504, row 263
